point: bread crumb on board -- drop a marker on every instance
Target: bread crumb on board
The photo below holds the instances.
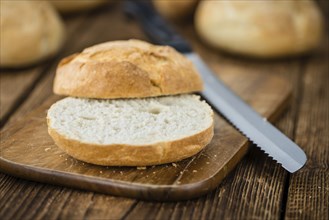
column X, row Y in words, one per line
column 141, row 168
column 194, row 171
column 174, row 164
column 47, row 149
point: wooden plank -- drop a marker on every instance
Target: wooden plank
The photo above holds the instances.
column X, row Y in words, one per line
column 308, row 195
column 30, row 200
column 14, row 88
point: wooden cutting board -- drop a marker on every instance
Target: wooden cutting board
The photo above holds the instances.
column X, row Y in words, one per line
column 27, row 151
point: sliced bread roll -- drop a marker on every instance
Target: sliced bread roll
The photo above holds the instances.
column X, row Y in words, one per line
column 131, row 132
column 126, row 69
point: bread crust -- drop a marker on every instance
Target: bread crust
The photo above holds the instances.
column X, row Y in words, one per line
column 175, row 9
column 267, row 29
column 31, row 31
column 126, row 69
column 129, row 155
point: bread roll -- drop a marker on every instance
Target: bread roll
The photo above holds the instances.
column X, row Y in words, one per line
column 66, row 6
column 175, row 9
column 263, row 29
column 131, row 132
column 126, row 69
column 30, row 31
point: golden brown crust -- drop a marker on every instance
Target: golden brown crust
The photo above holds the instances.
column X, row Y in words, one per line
column 264, row 29
column 127, row 155
column 175, row 9
column 30, row 31
column 126, row 69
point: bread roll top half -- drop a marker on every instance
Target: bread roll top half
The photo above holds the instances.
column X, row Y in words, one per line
column 126, row 69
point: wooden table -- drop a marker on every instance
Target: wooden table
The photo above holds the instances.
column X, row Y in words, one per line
column 257, row 189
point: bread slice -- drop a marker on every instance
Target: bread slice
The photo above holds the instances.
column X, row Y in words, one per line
column 126, row 69
column 131, row 132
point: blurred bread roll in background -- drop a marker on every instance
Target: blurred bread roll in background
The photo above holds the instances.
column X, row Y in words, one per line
column 175, row 9
column 265, row 29
column 67, row 6
column 30, row 31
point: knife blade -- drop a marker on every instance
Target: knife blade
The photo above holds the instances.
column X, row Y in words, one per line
column 240, row 114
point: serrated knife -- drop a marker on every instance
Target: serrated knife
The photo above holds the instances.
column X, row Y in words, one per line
column 225, row 101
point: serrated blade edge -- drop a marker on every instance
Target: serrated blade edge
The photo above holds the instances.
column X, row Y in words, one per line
column 248, row 121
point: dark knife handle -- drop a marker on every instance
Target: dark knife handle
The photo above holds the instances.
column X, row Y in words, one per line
column 155, row 27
